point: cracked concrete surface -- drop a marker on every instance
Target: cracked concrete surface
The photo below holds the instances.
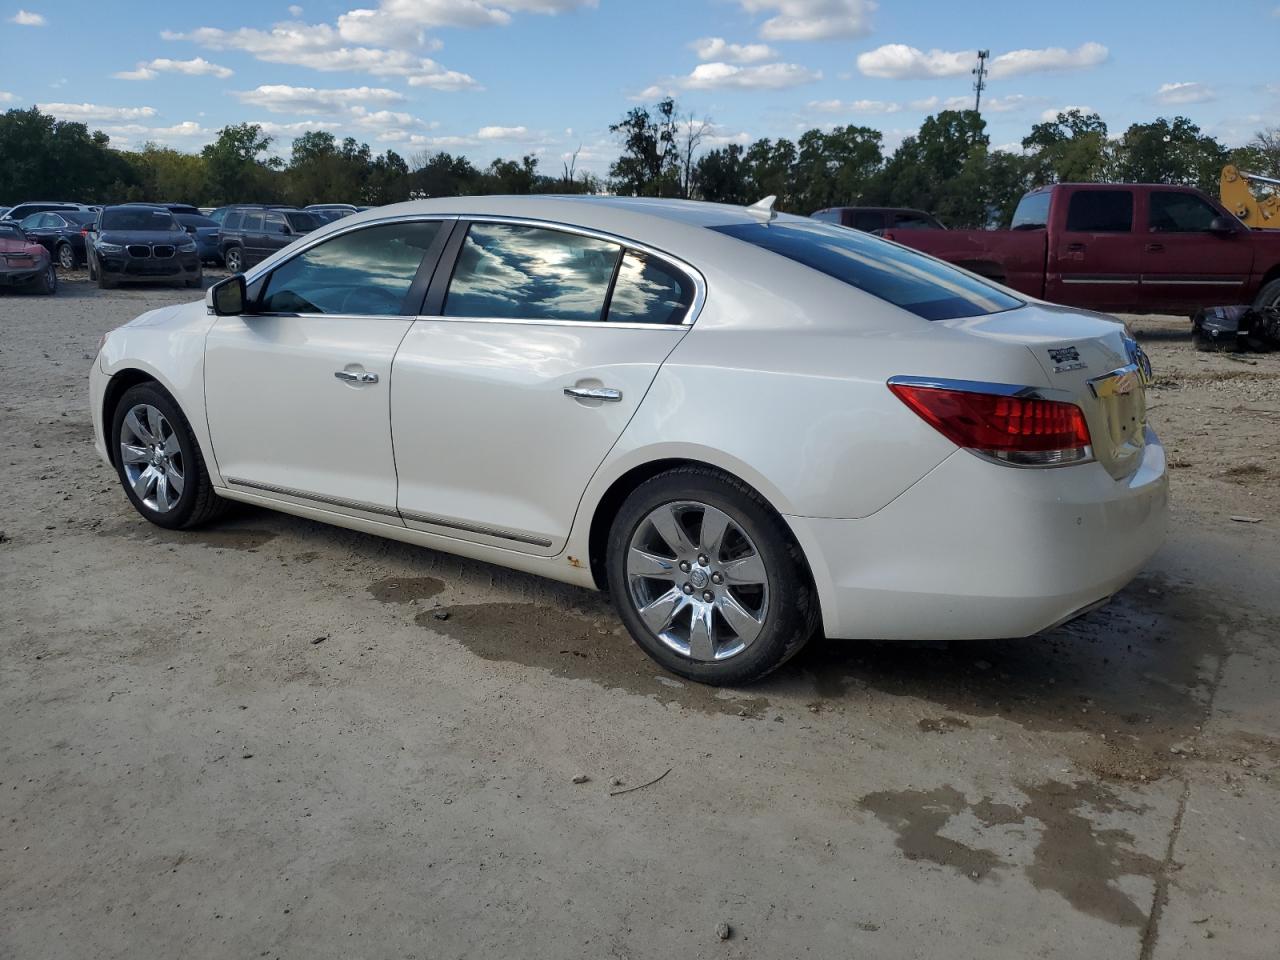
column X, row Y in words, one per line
column 259, row 739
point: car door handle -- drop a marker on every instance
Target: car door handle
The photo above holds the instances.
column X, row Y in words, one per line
column 346, row 376
column 608, row 394
column 1074, row 247
column 1154, row 247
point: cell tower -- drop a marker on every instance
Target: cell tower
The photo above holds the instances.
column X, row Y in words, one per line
column 980, row 84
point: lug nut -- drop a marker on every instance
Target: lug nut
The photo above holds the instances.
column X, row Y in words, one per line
column 702, row 559
column 708, row 596
column 717, row 578
column 687, row 588
column 684, row 566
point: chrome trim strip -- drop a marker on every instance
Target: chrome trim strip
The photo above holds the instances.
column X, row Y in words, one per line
column 1100, row 280
column 1156, row 278
column 315, row 497
column 968, row 386
column 480, row 528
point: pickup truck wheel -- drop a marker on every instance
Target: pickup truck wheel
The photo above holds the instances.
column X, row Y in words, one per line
column 1268, row 296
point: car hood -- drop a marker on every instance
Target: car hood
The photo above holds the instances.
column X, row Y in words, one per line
column 162, row 316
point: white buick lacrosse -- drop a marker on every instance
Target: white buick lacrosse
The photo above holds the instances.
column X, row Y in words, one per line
column 747, row 427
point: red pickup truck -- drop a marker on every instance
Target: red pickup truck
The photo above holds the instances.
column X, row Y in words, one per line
column 1131, row 248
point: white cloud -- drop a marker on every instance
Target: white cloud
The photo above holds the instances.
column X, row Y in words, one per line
column 854, row 106
column 25, row 18
column 92, row 111
column 653, row 92
column 7, row 97
column 1176, row 94
column 502, row 133
column 812, row 19
column 282, row 98
column 195, row 67
column 717, row 48
column 767, row 76
column 1050, row 115
column 295, row 10
column 897, row 61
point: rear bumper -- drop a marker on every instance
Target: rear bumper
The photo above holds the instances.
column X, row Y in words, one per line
column 980, row 551
column 21, row 276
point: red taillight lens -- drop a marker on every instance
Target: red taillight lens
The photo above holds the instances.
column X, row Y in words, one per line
column 1020, row 430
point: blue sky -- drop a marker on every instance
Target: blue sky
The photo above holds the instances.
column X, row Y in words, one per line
column 507, row 77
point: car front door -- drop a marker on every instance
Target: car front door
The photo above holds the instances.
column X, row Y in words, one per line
column 297, row 389
column 1185, row 265
column 533, row 353
column 1095, row 259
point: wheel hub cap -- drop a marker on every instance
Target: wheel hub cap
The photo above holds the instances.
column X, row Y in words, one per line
column 151, row 456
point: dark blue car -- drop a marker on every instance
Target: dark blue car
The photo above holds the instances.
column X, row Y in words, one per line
column 205, row 231
column 61, row 233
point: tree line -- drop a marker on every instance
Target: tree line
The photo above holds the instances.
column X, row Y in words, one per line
column 948, row 167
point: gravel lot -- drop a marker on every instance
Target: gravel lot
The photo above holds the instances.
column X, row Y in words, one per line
column 259, row 740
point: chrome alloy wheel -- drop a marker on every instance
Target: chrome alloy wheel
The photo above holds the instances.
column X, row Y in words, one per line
column 697, row 581
column 152, row 458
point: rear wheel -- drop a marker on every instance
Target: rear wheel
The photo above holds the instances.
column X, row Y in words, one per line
column 234, row 259
column 158, row 461
column 1268, row 296
column 48, row 281
column 66, row 256
column 707, row 578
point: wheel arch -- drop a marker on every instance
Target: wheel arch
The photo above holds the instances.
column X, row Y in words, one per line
column 610, row 502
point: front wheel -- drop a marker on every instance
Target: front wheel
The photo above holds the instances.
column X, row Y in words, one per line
column 158, row 461
column 707, row 578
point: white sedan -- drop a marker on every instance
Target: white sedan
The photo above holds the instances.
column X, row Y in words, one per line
column 747, row 427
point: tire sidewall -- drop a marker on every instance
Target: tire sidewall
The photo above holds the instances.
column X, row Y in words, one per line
column 192, row 463
column 1269, row 295
column 234, row 254
column 787, row 584
column 65, row 251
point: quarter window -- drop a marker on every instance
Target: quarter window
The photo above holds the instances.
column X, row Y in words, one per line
column 275, row 223
column 510, row 271
column 1100, row 211
column 648, row 291
column 1174, row 212
column 366, row 271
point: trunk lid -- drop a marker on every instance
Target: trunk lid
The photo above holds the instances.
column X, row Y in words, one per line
column 1089, row 360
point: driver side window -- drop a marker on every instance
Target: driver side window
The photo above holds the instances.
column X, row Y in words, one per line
column 366, row 271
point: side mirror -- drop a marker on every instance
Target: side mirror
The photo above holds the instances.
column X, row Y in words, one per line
column 226, row 298
column 1222, row 226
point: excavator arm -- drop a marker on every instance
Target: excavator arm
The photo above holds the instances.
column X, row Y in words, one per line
column 1236, row 196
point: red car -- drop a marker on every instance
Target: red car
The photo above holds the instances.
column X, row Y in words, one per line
column 1123, row 247
column 23, row 262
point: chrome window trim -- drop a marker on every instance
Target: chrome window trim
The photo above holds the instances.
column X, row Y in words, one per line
column 688, row 269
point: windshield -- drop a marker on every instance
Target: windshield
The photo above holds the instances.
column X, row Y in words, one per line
column 138, row 218
column 302, row 222
column 924, row 286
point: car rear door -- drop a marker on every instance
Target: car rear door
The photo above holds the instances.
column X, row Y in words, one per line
column 297, row 390
column 535, row 348
column 41, row 228
column 276, row 233
column 1094, row 254
column 255, row 242
column 1186, row 266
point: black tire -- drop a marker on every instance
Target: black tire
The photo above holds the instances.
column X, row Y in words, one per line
column 791, row 615
column 106, row 282
column 89, row 262
column 197, row 503
column 194, row 282
column 47, row 283
column 1268, row 296
column 233, row 257
column 66, row 256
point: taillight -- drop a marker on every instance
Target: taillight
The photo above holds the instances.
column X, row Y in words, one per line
column 1019, row 430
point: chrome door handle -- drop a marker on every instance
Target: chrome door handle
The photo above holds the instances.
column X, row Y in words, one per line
column 608, row 394
column 346, row 376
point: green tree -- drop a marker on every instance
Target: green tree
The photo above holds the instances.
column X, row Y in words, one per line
column 41, row 156
column 720, row 175
column 1165, row 151
column 832, row 169
column 940, row 169
column 237, row 167
column 388, row 180
column 770, row 171
column 648, row 165
column 322, row 169
column 1072, row 148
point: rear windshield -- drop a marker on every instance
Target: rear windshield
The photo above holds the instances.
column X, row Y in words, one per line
column 302, row 222
column 144, row 218
column 76, row 216
column 912, row 281
column 195, row 220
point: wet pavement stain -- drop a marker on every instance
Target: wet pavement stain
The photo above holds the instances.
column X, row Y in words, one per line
column 1072, row 857
column 578, row 647
column 405, row 589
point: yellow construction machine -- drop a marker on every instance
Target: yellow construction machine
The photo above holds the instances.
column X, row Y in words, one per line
column 1236, row 196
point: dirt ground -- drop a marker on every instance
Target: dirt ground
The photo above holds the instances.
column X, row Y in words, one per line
column 260, row 740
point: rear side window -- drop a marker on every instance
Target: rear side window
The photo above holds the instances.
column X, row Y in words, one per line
column 649, row 291
column 868, row 220
column 510, row 271
column 926, row 287
column 1032, row 212
column 365, row 272
column 1100, row 211
column 1174, row 212
column 275, row 223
